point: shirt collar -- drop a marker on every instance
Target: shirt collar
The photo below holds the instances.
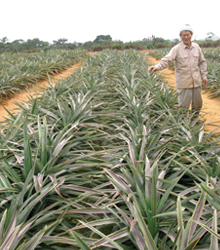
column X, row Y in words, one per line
column 185, row 46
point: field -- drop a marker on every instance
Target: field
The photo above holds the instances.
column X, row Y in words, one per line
column 105, row 160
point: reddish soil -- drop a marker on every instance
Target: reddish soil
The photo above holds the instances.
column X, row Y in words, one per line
column 211, row 107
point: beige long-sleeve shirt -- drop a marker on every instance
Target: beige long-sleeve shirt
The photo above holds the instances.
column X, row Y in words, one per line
column 190, row 65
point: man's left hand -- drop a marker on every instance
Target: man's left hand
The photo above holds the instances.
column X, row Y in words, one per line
column 205, row 82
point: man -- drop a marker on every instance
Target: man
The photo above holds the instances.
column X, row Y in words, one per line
column 190, row 69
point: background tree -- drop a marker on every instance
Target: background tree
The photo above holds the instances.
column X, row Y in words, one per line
column 35, row 43
column 17, row 44
column 4, row 39
column 88, row 45
column 1, row 46
column 209, row 36
column 102, row 39
column 60, row 41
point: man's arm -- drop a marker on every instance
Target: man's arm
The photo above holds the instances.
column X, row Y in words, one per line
column 203, row 67
column 164, row 62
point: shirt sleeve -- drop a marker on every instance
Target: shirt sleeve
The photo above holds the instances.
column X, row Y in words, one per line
column 166, row 60
column 202, row 65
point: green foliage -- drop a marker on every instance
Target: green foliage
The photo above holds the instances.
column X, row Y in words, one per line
column 102, row 39
column 159, row 53
column 15, row 50
column 213, row 86
column 20, row 70
column 160, row 45
column 209, row 44
column 88, row 45
column 62, row 44
column 100, row 43
column 149, row 46
column 105, row 160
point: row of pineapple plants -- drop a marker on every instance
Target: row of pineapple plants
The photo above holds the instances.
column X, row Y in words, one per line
column 212, row 56
column 18, row 71
column 105, row 160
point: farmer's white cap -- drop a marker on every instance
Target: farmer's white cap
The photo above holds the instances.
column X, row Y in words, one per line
column 186, row 27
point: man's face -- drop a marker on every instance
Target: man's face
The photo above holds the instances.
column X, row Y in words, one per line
column 186, row 37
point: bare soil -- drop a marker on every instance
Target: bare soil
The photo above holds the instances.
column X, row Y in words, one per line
column 211, row 107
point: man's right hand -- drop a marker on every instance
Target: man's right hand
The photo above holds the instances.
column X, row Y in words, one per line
column 205, row 82
column 152, row 69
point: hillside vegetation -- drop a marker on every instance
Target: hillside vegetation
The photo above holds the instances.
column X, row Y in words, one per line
column 101, row 42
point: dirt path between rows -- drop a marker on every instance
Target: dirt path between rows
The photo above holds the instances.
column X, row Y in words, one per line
column 211, row 107
column 34, row 91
